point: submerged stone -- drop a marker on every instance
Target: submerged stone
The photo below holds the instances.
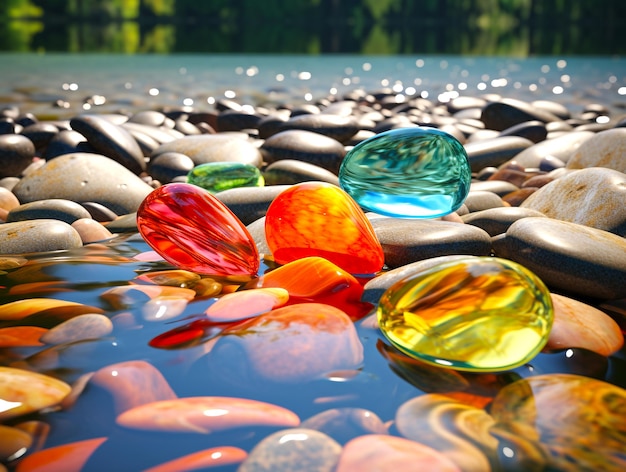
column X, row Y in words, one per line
column 407, row 173
column 481, row 314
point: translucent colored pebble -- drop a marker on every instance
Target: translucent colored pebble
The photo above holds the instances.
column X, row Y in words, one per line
column 205, row 459
column 408, row 173
column 218, row 176
column 315, row 279
column 67, row 457
column 480, row 314
column 193, row 230
column 320, row 219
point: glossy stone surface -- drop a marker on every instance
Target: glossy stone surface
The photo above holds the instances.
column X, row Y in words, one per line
column 480, row 314
column 571, row 422
column 194, row 231
column 218, row 176
column 407, row 173
column 320, row 219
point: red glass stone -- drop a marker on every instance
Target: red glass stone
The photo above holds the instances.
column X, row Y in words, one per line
column 193, row 230
column 320, row 219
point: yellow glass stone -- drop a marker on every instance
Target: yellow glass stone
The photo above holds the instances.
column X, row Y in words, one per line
column 479, row 314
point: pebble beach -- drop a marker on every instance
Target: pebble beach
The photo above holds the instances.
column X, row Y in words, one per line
column 114, row 358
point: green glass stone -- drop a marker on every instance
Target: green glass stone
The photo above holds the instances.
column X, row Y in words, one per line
column 407, row 173
column 218, row 176
column 479, row 314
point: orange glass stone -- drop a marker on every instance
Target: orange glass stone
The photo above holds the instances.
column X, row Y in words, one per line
column 193, row 230
column 320, row 219
column 67, row 457
column 205, row 459
column 315, row 279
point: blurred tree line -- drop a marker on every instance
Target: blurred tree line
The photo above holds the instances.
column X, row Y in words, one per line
column 514, row 27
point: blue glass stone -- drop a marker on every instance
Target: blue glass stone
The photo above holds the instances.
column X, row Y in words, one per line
column 218, row 176
column 407, row 173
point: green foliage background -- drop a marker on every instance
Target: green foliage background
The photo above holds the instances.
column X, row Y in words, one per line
column 480, row 27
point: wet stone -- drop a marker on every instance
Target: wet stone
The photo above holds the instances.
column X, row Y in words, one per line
column 110, row 140
column 306, row 146
column 85, row 177
column 250, row 204
column 408, row 173
column 406, row 241
column 480, row 200
column 495, row 152
column 293, row 449
column 37, row 236
column 341, row 128
column 79, row 328
column 593, row 197
column 16, row 154
column 169, row 165
column 498, row 220
column 289, row 171
column 223, row 147
column 53, row 209
column 567, row 256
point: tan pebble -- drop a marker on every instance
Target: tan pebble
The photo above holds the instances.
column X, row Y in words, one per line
column 89, row 326
column 377, row 452
column 8, row 200
column 91, row 231
column 163, row 308
column 577, row 324
column 591, row 197
column 453, row 217
column 605, row 149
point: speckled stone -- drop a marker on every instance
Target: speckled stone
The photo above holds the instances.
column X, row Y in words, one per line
column 406, row 241
column 250, row 203
column 494, row 152
column 228, row 147
column 16, row 154
column 79, row 328
column 53, row 208
column 290, row 171
column 375, row 288
column 567, row 256
column 83, row 177
column 605, row 149
column 341, row 128
column 293, row 449
column 110, row 140
column 498, row 220
column 593, row 197
column 37, row 236
column 306, row 146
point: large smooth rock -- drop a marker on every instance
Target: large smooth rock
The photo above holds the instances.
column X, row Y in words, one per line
column 83, row 177
column 54, row 209
column 592, row 197
column 110, row 140
column 37, row 236
column 605, row 149
column 16, row 154
column 568, row 256
column 406, row 241
column 223, row 147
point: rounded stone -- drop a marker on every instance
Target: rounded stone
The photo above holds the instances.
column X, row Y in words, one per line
column 90, row 230
column 408, row 172
column 250, row 203
column 479, row 314
column 79, row 328
column 479, row 200
column 83, row 177
column 293, row 449
column 306, row 146
column 37, row 236
column 498, row 220
column 223, row 147
column 169, row 165
column 110, row 140
column 16, row 154
column 509, row 112
column 592, row 197
column 406, row 241
column 67, row 142
column 8, row 200
column 40, row 133
column 290, row 171
column 561, row 148
column 605, row 149
column 568, row 256
column 218, row 176
column 534, row 130
column 341, row 128
column 53, row 208
column 496, row 151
